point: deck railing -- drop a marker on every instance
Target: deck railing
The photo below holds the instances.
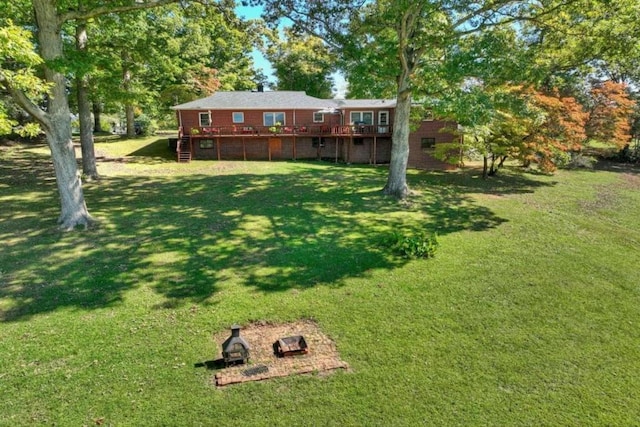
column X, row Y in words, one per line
column 307, row 130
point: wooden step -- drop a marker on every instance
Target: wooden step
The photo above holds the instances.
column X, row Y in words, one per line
column 184, row 156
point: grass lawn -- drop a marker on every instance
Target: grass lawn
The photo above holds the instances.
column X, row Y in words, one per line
column 528, row 315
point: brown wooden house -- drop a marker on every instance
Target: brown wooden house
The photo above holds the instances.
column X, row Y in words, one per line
column 283, row 125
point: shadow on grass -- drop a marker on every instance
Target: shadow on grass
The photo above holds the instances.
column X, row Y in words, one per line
column 158, row 149
column 153, row 153
column 619, row 167
column 186, row 238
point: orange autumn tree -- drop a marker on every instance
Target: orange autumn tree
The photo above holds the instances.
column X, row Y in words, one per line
column 609, row 114
column 536, row 126
column 556, row 126
column 521, row 122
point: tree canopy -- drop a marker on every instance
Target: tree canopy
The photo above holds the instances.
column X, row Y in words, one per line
column 301, row 62
column 529, row 80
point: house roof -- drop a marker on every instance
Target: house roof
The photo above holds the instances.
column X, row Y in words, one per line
column 277, row 100
column 280, row 100
column 364, row 103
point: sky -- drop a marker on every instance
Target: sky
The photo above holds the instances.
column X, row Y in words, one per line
column 253, row 12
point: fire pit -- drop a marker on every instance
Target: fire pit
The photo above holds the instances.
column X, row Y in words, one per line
column 290, row 346
column 235, row 349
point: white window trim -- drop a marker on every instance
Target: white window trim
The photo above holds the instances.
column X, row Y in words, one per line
column 361, row 114
column 318, row 121
column 383, row 127
column 233, row 117
column 380, row 113
column 264, row 118
column 208, row 117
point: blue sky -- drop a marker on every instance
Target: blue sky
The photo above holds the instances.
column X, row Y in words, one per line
column 253, row 12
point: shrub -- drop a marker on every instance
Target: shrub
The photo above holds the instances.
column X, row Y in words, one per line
column 145, row 125
column 629, row 154
column 580, row 160
column 421, row 245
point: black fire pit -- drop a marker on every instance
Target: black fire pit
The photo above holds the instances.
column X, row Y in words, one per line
column 235, row 349
column 290, row 346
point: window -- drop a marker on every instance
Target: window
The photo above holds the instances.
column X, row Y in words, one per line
column 205, row 120
column 361, row 117
column 427, row 143
column 273, row 119
column 318, row 118
column 238, row 117
column 206, row 143
column 383, row 118
column 383, row 121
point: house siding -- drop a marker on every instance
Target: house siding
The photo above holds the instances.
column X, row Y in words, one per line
column 420, row 158
column 356, row 149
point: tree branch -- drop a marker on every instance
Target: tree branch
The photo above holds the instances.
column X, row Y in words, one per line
column 23, row 100
column 494, row 9
column 104, row 10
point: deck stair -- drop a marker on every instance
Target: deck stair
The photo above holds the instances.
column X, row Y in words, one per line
column 184, row 150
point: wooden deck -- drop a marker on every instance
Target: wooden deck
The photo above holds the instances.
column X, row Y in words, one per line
column 310, row 131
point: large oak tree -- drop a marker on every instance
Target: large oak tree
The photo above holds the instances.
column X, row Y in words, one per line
column 55, row 119
column 406, row 35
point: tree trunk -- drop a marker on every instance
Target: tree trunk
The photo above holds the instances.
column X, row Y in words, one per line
column 493, row 169
column 126, row 84
column 89, row 167
column 485, row 167
column 502, row 160
column 408, row 55
column 97, row 112
column 57, row 122
column 131, row 127
column 73, row 208
column 397, row 180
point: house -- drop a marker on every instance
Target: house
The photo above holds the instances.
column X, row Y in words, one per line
column 283, row 125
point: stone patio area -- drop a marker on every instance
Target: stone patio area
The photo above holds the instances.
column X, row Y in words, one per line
column 264, row 364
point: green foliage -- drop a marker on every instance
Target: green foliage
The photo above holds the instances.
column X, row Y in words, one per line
column 146, row 125
column 630, row 153
column 172, row 54
column 18, row 70
column 29, row 130
column 412, row 245
column 6, row 123
column 301, row 63
column 276, row 128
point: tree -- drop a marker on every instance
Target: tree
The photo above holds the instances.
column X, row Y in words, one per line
column 610, row 111
column 301, row 62
column 557, row 127
column 407, row 35
column 89, row 166
column 49, row 18
column 170, row 55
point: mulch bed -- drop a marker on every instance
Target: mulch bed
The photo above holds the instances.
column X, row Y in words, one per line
column 263, row 364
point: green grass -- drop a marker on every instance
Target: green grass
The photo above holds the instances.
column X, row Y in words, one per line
column 528, row 314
